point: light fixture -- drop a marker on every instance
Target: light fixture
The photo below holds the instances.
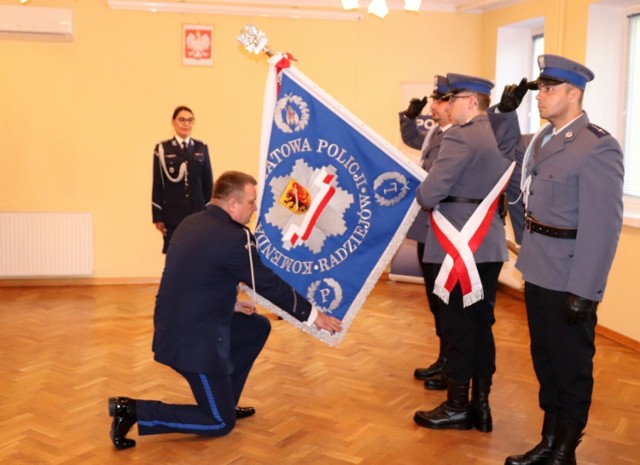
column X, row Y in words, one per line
column 412, row 5
column 350, row 4
column 378, row 8
column 24, row 2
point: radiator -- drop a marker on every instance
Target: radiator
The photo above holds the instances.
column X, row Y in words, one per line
column 49, row 245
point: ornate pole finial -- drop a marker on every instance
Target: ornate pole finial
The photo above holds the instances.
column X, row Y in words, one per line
column 254, row 40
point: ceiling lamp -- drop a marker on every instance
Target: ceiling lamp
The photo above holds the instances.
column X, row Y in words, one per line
column 412, row 5
column 350, row 4
column 378, row 8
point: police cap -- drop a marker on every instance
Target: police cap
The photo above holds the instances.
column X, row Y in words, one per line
column 440, row 87
column 460, row 82
column 556, row 70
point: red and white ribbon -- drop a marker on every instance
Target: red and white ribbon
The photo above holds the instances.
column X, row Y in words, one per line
column 459, row 265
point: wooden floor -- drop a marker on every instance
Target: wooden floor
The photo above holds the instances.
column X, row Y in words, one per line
column 64, row 350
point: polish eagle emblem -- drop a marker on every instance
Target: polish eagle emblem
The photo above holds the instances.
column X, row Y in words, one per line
column 198, row 45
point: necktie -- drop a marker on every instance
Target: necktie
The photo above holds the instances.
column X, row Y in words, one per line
column 184, row 146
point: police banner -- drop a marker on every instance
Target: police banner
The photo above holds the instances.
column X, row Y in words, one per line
column 336, row 199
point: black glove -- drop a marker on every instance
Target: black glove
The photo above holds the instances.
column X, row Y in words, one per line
column 512, row 96
column 578, row 309
column 415, row 107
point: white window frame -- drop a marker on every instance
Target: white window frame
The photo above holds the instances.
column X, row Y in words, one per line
column 607, row 52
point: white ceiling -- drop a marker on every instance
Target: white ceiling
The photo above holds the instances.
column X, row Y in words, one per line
column 459, row 6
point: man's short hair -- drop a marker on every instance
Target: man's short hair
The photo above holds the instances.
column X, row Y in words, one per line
column 483, row 101
column 230, row 183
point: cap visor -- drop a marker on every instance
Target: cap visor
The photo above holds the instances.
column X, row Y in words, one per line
column 532, row 85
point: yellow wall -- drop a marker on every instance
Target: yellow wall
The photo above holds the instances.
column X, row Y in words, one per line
column 79, row 120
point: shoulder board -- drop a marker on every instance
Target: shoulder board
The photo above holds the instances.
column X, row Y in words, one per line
column 597, row 130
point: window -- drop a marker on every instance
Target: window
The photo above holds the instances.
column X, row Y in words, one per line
column 518, row 47
column 611, row 99
column 537, row 42
column 631, row 144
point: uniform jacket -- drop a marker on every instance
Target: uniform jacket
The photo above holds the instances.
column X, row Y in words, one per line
column 207, row 259
column 172, row 201
column 418, row 230
column 507, row 131
column 409, row 132
column 469, row 164
column 576, row 182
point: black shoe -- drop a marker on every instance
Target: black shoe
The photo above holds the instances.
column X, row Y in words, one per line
column 437, row 382
column 123, row 411
column 434, row 369
column 454, row 413
column 480, row 409
column 568, row 437
column 541, row 453
column 244, row 412
column 445, row 417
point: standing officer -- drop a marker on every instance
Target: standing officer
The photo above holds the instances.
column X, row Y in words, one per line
column 466, row 245
column 200, row 330
column 433, row 376
column 572, row 187
column 182, row 176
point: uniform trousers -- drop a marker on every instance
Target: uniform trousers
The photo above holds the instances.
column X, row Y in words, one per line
column 217, row 394
column 429, row 281
column 562, row 355
column 467, row 331
column 169, row 230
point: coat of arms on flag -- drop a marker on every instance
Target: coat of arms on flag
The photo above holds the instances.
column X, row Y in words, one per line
column 336, row 199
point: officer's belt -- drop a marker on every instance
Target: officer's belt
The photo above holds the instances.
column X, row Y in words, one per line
column 559, row 233
column 503, row 204
column 453, row 198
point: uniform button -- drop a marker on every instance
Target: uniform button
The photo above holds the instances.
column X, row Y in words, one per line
column 535, row 172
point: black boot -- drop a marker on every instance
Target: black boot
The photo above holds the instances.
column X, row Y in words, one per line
column 542, row 451
column 438, row 382
column 480, row 410
column 568, row 436
column 123, row 411
column 454, row 413
column 435, row 368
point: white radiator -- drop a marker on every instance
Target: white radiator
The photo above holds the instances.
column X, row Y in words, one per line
column 46, row 245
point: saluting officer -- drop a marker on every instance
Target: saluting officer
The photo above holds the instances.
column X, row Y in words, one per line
column 572, row 182
column 182, row 176
column 433, row 376
column 466, row 243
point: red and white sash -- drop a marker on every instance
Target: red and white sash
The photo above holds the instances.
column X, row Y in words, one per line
column 459, row 264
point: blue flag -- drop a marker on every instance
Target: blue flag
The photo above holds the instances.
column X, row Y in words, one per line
column 336, row 199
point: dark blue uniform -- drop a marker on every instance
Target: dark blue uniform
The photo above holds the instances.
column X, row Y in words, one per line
column 182, row 182
column 197, row 332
